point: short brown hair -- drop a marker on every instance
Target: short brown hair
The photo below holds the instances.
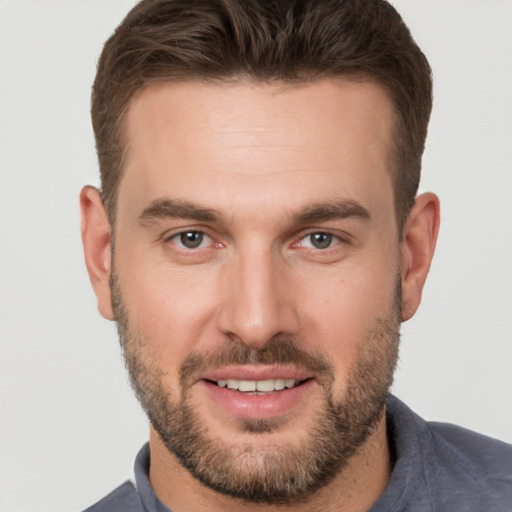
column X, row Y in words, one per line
column 286, row 40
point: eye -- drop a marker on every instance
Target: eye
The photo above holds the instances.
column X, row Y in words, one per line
column 319, row 240
column 191, row 239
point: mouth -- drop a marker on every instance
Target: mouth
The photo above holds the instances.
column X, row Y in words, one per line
column 258, row 386
column 257, row 392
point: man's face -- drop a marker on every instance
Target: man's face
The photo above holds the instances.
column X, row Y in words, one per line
column 255, row 277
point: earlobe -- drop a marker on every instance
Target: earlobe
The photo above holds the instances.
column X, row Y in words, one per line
column 417, row 248
column 96, row 241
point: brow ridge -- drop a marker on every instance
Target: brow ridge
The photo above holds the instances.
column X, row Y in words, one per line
column 332, row 210
column 320, row 212
column 176, row 208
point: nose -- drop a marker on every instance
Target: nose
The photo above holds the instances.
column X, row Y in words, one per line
column 258, row 303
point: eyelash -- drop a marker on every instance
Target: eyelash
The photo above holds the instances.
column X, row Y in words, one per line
column 333, row 240
column 177, row 239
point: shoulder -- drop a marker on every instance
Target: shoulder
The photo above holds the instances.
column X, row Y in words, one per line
column 482, row 457
column 124, row 498
column 467, row 470
column 447, row 467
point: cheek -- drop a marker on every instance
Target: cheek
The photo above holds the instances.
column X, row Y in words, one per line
column 343, row 307
column 170, row 308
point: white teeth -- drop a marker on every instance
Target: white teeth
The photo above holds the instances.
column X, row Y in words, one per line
column 289, row 383
column 279, row 384
column 247, row 385
column 233, row 384
column 263, row 386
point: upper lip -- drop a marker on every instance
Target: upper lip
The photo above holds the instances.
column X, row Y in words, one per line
column 255, row 373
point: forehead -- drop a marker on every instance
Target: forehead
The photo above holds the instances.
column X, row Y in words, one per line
column 192, row 139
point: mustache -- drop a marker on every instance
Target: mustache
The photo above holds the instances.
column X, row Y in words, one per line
column 277, row 351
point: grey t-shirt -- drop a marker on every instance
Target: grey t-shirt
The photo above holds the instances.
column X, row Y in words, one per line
column 438, row 467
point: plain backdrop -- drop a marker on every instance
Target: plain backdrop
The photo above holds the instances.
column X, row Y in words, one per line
column 69, row 426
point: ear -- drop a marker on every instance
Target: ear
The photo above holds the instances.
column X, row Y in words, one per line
column 96, row 241
column 417, row 248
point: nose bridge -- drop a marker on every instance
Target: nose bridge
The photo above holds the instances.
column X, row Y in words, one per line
column 256, row 307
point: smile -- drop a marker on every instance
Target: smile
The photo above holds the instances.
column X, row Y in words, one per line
column 263, row 386
column 256, row 392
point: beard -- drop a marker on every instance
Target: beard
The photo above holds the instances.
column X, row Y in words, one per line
column 273, row 473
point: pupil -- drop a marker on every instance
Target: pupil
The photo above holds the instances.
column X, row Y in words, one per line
column 321, row 240
column 191, row 239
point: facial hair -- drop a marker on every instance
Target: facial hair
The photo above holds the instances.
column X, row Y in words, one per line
column 273, row 474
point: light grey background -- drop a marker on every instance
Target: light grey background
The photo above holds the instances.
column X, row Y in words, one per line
column 69, row 425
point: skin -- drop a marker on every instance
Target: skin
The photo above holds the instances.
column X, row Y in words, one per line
column 260, row 155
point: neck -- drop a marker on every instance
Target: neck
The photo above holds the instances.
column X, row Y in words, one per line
column 356, row 488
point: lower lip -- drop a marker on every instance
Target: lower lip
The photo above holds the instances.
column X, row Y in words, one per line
column 258, row 406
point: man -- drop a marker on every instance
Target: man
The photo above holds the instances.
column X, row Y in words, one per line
column 258, row 241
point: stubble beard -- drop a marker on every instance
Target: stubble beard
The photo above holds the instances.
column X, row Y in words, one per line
column 268, row 474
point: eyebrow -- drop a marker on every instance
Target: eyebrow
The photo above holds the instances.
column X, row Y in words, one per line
column 335, row 210
column 175, row 208
column 321, row 212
